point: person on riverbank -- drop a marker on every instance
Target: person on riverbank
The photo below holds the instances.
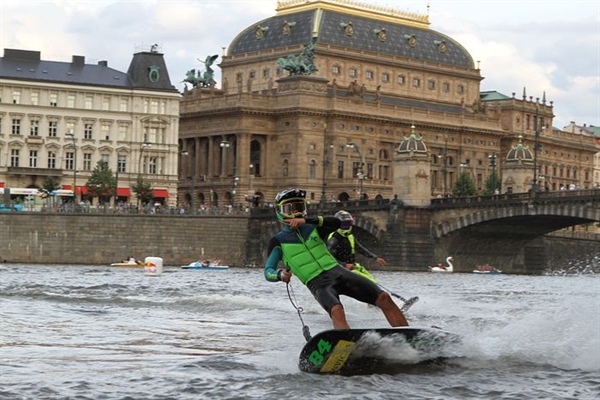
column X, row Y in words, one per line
column 343, row 245
column 298, row 245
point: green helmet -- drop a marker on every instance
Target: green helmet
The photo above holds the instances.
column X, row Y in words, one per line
column 290, row 203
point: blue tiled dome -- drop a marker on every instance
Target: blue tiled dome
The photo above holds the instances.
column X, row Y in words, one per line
column 413, row 143
column 345, row 28
column 519, row 152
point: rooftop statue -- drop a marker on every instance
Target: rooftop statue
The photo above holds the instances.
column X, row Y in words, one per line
column 204, row 79
column 301, row 64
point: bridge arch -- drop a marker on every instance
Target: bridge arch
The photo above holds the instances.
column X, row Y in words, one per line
column 507, row 237
column 553, row 216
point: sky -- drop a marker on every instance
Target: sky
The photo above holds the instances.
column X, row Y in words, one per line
column 550, row 46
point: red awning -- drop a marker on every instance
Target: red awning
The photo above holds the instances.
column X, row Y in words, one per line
column 123, row 192
column 80, row 189
column 164, row 193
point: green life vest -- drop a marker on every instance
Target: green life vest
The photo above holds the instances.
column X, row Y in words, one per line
column 308, row 258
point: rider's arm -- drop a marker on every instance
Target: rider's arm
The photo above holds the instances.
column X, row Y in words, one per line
column 325, row 222
column 275, row 254
column 363, row 250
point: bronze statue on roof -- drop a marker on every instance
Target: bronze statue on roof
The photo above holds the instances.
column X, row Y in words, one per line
column 301, row 64
column 204, row 79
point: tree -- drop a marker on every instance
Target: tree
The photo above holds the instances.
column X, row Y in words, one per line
column 492, row 183
column 48, row 186
column 102, row 182
column 464, row 186
column 143, row 190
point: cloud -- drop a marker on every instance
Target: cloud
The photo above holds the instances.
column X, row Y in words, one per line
column 552, row 48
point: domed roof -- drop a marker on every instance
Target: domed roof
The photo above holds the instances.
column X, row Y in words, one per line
column 519, row 152
column 413, row 143
column 353, row 26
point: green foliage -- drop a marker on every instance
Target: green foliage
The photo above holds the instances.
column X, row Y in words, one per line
column 143, row 190
column 102, row 183
column 465, row 186
column 49, row 185
column 492, row 183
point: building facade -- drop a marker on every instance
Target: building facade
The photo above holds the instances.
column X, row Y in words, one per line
column 59, row 119
column 381, row 76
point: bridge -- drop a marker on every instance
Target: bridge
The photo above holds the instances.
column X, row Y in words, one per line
column 502, row 230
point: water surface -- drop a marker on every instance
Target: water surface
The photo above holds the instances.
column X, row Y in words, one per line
column 96, row 332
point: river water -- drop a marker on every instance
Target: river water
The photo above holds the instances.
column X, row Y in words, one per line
column 96, row 332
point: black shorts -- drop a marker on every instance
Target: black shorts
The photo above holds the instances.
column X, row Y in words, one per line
column 329, row 285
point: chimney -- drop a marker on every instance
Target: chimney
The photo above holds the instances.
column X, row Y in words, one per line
column 78, row 60
column 26, row 55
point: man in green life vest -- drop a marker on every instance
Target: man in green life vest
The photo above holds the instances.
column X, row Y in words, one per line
column 298, row 245
column 343, row 245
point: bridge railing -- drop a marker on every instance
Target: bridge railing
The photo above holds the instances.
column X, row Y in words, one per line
column 330, row 208
column 562, row 196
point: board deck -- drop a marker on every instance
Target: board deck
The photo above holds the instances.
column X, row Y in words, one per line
column 367, row 351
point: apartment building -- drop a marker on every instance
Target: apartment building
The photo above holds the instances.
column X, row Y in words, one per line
column 59, row 119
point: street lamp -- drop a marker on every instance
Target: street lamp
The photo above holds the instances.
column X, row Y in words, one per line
column 536, row 146
column 185, row 154
column 193, row 183
column 225, row 144
column 361, row 175
column 117, row 183
column 325, row 164
column 492, row 158
column 445, row 165
column 251, row 176
column 139, row 180
column 72, row 136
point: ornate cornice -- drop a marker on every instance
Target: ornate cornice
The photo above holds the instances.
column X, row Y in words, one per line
column 356, row 8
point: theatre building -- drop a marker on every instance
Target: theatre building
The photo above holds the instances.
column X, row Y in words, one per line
column 323, row 95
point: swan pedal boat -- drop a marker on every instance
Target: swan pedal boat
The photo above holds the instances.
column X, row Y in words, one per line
column 449, row 268
column 200, row 265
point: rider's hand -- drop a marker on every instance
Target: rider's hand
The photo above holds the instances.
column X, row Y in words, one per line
column 295, row 223
column 350, row 266
column 285, row 275
column 381, row 261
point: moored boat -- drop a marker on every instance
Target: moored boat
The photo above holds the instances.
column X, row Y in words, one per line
column 206, row 265
column 486, row 269
column 128, row 264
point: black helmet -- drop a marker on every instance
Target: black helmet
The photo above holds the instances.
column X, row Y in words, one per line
column 290, row 203
column 347, row 220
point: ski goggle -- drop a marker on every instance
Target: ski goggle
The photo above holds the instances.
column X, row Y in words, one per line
column 292, row 208
column 346, row 225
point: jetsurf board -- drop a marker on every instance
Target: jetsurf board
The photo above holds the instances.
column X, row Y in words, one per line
column 380, row 350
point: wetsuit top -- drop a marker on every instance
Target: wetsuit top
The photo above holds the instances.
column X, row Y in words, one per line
column 343, row 246
column 301, row 250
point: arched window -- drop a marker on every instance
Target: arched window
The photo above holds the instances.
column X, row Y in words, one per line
column 285, row 168
column 312, row 169
column 255, row 157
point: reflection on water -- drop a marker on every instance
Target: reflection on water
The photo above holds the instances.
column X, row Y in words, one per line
column 100, row 332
